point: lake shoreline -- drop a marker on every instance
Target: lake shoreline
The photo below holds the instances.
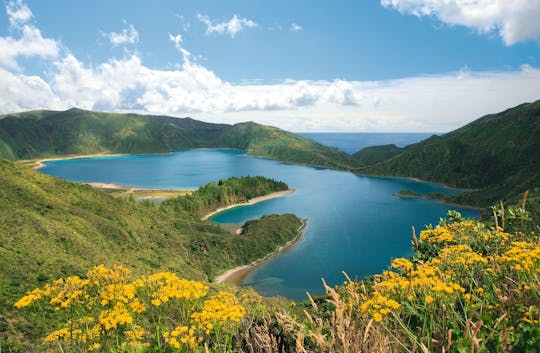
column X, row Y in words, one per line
column 40, row 163
column 98, row 185
column 238, row 274
column 435, row 199
column 250, row 202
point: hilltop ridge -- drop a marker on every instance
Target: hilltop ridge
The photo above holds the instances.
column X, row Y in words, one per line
column 44, row 133
column 497, row 153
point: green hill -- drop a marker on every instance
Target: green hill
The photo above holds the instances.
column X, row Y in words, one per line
column 38, row 134
column 52, row 228
column 497, row 153
column 267, row 141
column 375, row 154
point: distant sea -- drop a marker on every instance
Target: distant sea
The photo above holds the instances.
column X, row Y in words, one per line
column 351, row 142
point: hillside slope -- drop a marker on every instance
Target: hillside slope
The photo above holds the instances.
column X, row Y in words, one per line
column 497, row 153
column 37, row 134
column 267, row 141
column 375, row 154
column 52, row 228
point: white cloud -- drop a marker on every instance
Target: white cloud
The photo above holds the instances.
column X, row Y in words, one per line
column 18, row 13
column 231, row 27
column 30, row 43
column 128, row 35
column 424, row 103
column 177, row 40
column 20, row 92
column 513, row 20
column 295, row 27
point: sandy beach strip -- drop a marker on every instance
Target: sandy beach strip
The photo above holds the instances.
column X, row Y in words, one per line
column 236, row 275
column 40, row 163
column 250, row 202
column 107, row 186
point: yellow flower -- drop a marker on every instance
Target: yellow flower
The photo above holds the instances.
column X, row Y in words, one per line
column 437, row 235
column 429, row 299
column 402, row 264
column 94, row 347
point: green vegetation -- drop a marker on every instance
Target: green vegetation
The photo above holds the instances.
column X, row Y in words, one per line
column 51, row 228
column 143, row 194
column 276, row 230
column 39, row 134
column 414, row 194
column 226, row 192
column 375, row 154
column 470, row 287
column 267, row 141
column 408, row 193
column 497, row 154
column 107, row 310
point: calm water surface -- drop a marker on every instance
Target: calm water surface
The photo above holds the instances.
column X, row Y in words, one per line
column 354, row 223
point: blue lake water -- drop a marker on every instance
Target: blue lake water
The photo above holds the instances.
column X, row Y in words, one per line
column 351, row 142
column 354, row 223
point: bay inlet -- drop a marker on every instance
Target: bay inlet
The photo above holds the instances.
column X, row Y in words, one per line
column 355, row 224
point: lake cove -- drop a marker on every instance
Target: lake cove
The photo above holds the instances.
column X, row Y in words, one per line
column 355, row 224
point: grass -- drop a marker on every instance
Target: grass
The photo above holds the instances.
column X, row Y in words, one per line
column 470, row 287
column 51, row 228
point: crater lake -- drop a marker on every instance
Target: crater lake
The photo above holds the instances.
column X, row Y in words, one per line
column 355, row 224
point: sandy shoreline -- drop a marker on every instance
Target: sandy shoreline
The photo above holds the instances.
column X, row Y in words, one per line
column 250, row 202
column 236, row 275
column 41, row 162
column 108, row 186
column 130, row 188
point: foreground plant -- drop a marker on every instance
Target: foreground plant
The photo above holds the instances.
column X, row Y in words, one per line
column 108, row 311
column 469, row 288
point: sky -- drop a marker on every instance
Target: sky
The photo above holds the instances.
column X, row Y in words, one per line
column 304, row 65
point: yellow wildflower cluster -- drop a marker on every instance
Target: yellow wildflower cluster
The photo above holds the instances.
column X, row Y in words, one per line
column 30, row 297
column 108, row 308
column 402, row 264
column 102, row 275
column 78, row 330
column 165, row 285
column 379, row 306
column 62, row 293
column 463, row 272
column 522, row 256
column 121, row 292
column 182, row 335
column 117, row 316
column 464, row 227
column 461, row 255
column 437, row 235
column 425, row 276
column 219, row 312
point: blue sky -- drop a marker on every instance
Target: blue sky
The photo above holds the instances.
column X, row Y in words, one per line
column 389, row 65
